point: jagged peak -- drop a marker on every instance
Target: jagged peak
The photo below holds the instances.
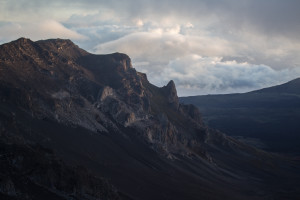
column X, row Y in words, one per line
column 171, row 92
column 171, row 88
column 171, row 85
column 21, row 41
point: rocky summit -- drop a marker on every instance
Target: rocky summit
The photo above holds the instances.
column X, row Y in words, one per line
column 133, row 139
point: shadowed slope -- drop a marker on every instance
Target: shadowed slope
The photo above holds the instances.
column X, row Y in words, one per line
column 271, row 115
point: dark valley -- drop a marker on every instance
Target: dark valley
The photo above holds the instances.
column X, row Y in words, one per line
column 75, row 125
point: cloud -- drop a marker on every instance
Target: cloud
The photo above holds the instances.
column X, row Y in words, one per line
column 159, row 46
column 38, row 30
column 201, row 63
column 268, row 17
column 194, row 74
column 164, row 37
column 162, row 44
column 196, row 63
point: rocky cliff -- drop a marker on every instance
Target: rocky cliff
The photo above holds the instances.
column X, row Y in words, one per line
column 57, row 80
column 98, row 111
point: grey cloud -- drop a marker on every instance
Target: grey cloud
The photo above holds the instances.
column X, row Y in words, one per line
column 194, row 75
column 164, row 45
column 268, row 17
column 274, row 16
column 164, row 56
column 38, row 30
column 262, row 33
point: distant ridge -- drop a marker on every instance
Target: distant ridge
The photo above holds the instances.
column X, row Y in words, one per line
column 271, row 115
column 291, row 87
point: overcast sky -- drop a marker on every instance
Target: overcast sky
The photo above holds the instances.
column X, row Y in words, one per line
column 205, row 46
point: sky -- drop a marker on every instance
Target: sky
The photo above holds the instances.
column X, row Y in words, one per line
column 205, row 46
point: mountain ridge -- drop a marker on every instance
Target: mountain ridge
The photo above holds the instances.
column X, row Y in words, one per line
column 99, row 112
column 291, row 87
column 269, row 114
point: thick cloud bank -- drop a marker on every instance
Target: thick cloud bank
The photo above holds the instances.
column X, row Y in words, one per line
column 194, row 75
column 206, row 46
column 196, row 63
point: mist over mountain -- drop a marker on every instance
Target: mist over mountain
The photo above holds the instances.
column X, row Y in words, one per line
column 76, row 125
column 268, row 117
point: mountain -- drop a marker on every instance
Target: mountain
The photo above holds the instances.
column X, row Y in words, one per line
column 268, row 118
column 291, row 87
column 70, row 119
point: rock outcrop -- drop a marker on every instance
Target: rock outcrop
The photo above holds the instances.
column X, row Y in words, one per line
column 171, row 93
column 55, row 79
column 97, row 110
